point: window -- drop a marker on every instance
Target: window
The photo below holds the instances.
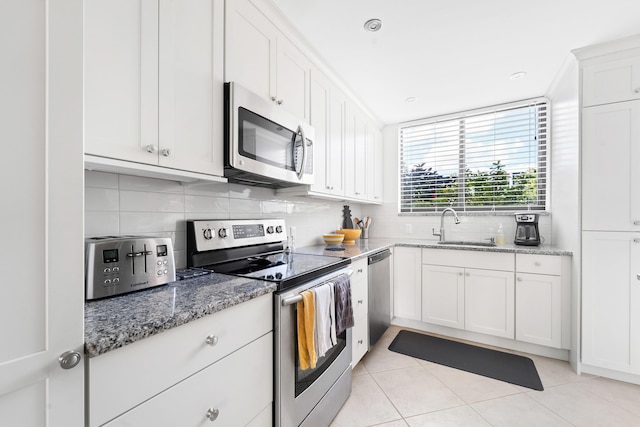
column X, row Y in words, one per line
column 482, row 160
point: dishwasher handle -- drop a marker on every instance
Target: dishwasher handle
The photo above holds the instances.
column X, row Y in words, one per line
column 379, row 256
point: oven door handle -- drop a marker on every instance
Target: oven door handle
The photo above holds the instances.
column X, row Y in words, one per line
column 296, row 298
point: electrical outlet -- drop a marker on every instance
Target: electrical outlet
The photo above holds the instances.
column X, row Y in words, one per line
column 408, row 228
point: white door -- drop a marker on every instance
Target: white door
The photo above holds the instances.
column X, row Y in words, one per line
column 489, row 302
column 41, row 309
column 443, row 295
column 539, row 309
column 292, row 79
column 407, row 265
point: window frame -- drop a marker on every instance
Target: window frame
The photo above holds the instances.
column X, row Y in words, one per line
column 543, row 166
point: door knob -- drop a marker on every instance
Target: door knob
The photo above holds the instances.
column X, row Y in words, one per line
column 166, row 152
column 212, row 414
column 151, row 148
column 212, row 340
column 69, row 359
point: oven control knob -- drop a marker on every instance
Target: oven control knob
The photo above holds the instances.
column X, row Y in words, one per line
column 269, row 276
column 278, row 276
column 222, row 233
column 279, row 229
column 270, row 229
column 207, row 233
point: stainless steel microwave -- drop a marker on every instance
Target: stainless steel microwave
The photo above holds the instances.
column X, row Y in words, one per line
column 265, row 145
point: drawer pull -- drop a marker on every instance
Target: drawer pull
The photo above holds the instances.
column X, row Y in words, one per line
column 637, row 90
column 212, row 414
column 211, row 340
column 636, row 222
column 636, row 240
column 467, row 274
column 519, row 279
column 360, row 341
column 638, row 276
column 537, row 264
column 359, row 270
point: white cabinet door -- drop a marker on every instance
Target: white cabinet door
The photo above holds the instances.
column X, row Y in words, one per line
column 443, row 295
column 121, row 79
column 336, row 143
column 611, row 81
column 41, row 309
column 407, row 288
column 539, row 309
column 250, row 46
column 611, row 176
column 230, row 392
column 611, row 300
column 377, row 169
column 191, row 85
column 355, row 154
column 292, row 78
column 489, row 302
column 260, row 58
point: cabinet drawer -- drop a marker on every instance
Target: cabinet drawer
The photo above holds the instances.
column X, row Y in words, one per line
column 359, row 298
column 156, row 363
column 469, row 259
column 238, row 387
column 359, row 339
column 359, row 268
column 538, row 264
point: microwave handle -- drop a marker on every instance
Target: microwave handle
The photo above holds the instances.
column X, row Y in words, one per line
column 300, row 173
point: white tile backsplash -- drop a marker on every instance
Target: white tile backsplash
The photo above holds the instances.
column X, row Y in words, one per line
column 122, row 204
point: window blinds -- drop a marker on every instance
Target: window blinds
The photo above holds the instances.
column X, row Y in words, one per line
column 482, row 160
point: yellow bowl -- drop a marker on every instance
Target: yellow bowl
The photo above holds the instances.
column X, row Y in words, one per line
column 350, row 235
column 332, row 239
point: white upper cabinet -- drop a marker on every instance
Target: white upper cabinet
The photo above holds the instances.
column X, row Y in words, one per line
column 611, row 81
column 327, row 119
column 153, row 82
column 260, row 58
column 355, row 154
column 611, row 177
column 377, row 169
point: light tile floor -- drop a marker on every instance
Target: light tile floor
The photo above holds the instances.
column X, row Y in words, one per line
column 394, row 390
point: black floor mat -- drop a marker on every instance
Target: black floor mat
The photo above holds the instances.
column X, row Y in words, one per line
column 501, row 366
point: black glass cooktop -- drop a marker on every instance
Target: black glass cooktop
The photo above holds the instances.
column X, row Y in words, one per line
column 286, row 269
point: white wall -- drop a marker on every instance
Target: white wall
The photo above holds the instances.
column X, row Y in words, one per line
column 388, row 223
column 122, row 204
column 565, row 184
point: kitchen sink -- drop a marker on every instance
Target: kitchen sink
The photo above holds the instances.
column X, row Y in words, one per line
column 467, row 243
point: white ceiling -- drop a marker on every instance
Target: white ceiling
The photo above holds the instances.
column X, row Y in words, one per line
column 453, row 55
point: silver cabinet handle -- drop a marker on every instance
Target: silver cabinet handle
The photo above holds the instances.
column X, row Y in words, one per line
column 360, row 341
column 460, row 274
column 279, row 102
column 212, row 414
column 360, row 301
column 69, row 359
column 537, row 264
column 211, row 340
column 638, row 276
column 467, row 274
column 519, row 279
column 636, row 222
column 273, row 98
column 151, row 148
column 637, row 90
column 166, row 152
column 359, row 270
column 636, row 240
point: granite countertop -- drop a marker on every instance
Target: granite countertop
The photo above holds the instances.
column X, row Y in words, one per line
column 365, row 247
column 115, row 322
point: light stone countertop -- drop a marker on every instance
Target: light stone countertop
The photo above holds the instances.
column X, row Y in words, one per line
column 365, row 247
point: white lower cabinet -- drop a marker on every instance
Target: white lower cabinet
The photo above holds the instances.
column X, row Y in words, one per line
column 221, row 362
column 407, row 291
column 611, row 300
column 229, row 392
column 360, row 301
column 443, row 295
column 489, row 302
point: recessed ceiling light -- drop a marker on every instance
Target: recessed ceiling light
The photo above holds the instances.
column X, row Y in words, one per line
column 517, row 76
column 410, row 99
column 373, row 25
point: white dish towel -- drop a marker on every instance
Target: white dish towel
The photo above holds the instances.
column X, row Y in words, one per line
column 325, row 333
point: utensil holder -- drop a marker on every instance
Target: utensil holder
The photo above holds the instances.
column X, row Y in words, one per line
column 365, row 233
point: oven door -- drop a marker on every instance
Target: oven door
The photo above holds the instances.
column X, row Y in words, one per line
column 323, row 389
column 265, row 141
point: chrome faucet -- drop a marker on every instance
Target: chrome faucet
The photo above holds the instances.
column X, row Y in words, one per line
column 455, row 218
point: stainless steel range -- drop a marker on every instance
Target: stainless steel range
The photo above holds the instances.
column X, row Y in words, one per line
column 256, row 248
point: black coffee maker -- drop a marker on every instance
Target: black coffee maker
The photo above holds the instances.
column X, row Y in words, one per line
column 527, row 232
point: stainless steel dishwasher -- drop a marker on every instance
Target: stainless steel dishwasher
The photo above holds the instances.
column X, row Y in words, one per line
column 379, row 295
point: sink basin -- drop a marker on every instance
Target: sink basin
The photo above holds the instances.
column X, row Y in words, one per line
column 467, row 243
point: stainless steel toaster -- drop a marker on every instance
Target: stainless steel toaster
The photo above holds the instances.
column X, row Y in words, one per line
column 117, row 265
